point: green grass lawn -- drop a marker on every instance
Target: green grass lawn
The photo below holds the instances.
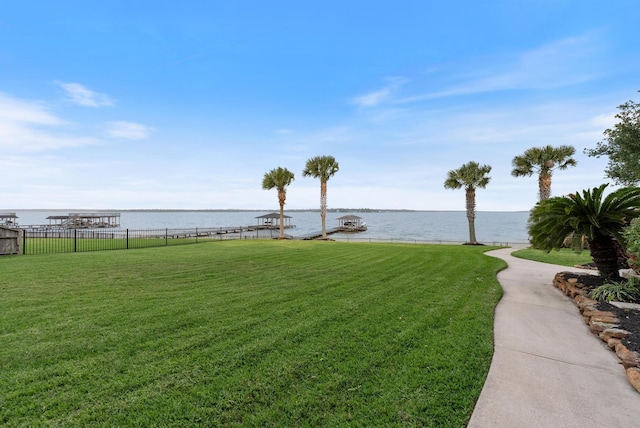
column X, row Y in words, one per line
column 563, row 257
column 247, row 333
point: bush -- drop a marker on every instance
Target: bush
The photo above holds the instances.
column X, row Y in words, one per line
column 623, row 291
column 631, row 236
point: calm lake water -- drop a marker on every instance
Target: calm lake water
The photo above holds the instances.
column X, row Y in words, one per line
column 435, row 226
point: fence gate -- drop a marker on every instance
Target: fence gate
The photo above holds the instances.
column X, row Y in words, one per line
column 9, row 241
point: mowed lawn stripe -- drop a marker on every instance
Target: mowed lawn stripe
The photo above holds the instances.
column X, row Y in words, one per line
column 237, row 333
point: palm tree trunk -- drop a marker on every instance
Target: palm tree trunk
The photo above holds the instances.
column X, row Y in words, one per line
column 544, row 185
column 471, row 214
column 604, row 254
column 282, row 196
column 323, row 208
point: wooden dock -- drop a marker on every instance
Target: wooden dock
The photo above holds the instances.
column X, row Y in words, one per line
column 316, row 235
column 218, row 231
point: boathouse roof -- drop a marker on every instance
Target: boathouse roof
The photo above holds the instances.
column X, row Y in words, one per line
column 350, row 217
column 272, row 215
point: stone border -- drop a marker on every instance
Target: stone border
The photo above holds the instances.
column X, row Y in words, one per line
column 603, row 324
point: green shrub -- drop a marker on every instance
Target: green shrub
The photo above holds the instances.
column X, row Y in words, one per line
column 631, row 235
column 623, row 291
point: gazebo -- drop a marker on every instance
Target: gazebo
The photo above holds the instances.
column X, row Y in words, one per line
column 272, row 221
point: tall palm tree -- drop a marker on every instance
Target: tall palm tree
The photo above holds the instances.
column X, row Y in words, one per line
column 279, row 178
column 471, row 176
column 323, row 168
column 543, row 160
column 598, row 219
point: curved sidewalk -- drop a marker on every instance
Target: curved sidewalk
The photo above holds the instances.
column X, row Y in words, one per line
column 548, row 369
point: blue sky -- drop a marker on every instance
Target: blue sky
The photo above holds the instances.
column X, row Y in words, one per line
column 161, row 104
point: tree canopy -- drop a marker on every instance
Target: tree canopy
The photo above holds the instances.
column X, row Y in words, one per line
column 543, row 161
column 622, row 145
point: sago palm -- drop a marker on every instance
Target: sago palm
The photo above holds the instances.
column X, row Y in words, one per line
column 279, row 178
column 323, row 168
column 543, row 160
column 471, row 176
column 599, row 219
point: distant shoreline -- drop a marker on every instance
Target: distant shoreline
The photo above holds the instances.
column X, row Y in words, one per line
column 231, row 210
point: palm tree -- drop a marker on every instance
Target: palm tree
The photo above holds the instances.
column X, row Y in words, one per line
column 322, row 167
column 279, row 178
column 599, row 220
column 471, row 176
column 543, row 160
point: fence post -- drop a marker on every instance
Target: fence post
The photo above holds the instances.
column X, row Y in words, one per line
column 166, row 236
column 127, row 238
column 75, row 240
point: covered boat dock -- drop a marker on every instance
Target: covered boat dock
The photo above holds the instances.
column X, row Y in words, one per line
column 351, row 223
column 346, row 224
column 8, row 219
column 85, row 220
column 272, row 221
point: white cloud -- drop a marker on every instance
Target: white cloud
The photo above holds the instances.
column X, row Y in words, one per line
column 129, row 130
column 28, row 126
column 372, row 99
column 81, row 95
column 375, row 98
column 15, row 110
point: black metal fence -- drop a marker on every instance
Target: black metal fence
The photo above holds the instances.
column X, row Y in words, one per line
column 59, row 240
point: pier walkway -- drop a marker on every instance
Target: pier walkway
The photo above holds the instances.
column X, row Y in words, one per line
column 318, row 234
column 343, row 229
column 548, row 369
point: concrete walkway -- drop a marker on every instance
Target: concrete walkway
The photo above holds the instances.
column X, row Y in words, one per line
column 548, row 370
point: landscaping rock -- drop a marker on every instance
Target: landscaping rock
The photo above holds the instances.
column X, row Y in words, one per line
column 605, row 319
column 598, row 313
column 627, row 357
column 585, row 302
column 598, row 327
column 612, row 343
column 614, row 333
column 633, row 375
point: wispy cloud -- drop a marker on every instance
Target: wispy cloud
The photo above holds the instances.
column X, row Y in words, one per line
column 379, row 96
column 554, row 65
column 558, row 64
column 15, row 110
column 28, row 126
column 129, row 130
column 83, row 96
